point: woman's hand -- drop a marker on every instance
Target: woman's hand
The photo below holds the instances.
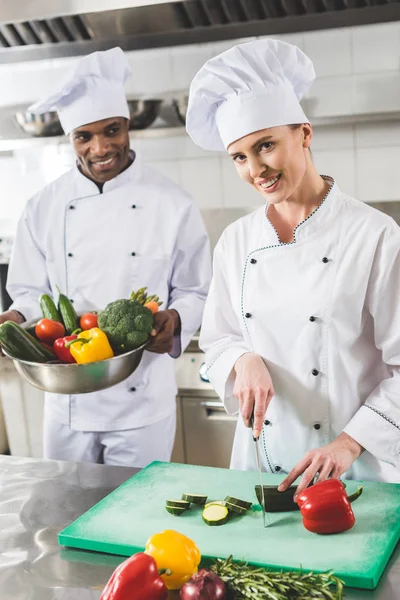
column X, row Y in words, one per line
column 253, row 388
column 329, row 461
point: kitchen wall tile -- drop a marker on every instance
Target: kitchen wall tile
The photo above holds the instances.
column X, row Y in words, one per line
column 202, row 179
column 376, row 92
column 372, row 135
column 330, row 51
column 330, row 96
column 170, row 168
column 332, row 137
column 219, row 47
column 151, row 73
column 376, row 47
column 237, row 193
column 339, row 164
column 159, row 148
column 185, row 62
column 297, row 39
column 378, row 173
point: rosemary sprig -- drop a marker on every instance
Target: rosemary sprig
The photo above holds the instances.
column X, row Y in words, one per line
column 255, row 583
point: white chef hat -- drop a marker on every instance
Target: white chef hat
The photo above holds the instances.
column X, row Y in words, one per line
column 249, row 87
column 92, row 91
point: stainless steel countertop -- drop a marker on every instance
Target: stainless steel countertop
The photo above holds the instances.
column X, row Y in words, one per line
column 38, row 498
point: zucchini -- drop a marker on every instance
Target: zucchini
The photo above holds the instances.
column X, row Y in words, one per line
column 275, row 501
column 220, row 502
column 215, row 514
column 173, row 510
column 239, row 510
column 68, row 314
column 178, row 504
column 195, row 498
column 49, row 309
column 237, row 502
column 20, row 344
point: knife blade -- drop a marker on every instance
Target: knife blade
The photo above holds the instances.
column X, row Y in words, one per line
column 257, row 448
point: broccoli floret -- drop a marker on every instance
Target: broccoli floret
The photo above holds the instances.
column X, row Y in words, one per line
column 126, row 323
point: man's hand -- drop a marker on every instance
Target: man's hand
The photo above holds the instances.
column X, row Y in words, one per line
column 329, row 461
column 253, row 388
column 166, row 324
column 11, row 315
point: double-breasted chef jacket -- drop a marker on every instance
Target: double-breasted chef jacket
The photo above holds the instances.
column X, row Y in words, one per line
column 324, row 314
column 142, row 230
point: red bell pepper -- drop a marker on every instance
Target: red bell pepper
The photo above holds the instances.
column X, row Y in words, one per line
column 326, row 508
column 137, row 578
column 63, row 353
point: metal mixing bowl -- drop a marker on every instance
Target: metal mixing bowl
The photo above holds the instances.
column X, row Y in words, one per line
column 143, row 113
column 45, row 125
column 78, row 379
column 180, row 106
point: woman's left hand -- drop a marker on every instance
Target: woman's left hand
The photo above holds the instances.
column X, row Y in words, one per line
column 329, row 461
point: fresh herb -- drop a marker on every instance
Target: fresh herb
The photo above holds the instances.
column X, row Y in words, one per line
column 255, row 583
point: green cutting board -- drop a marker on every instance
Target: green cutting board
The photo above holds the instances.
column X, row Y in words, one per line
column 123, row 522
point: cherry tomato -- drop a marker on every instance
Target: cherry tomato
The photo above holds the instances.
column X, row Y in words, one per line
column 88, row 321
column 48, row 331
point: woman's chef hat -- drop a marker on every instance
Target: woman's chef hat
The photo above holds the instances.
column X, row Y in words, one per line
column 249, row 87
column 92, row 91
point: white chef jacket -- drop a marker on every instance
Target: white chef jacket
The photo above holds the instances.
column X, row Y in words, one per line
column 142, row 230
column 338, row 371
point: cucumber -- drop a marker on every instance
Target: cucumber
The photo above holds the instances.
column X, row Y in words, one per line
column 275, row 501
column 178, row 504
column 68, row 314
column 173, row 510
column 195, row 498
column 215, row 514
column 49, row 309
column 239, row 510
column 237, row 502
column 20, row 344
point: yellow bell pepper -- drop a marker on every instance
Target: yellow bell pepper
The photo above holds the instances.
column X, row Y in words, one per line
column 90, row 346
column 176, row 553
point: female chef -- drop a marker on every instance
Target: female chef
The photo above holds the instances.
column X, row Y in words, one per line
column 302, row 323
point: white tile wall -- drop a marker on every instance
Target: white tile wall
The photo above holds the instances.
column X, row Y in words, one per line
column 357, row 69
column 376, row 48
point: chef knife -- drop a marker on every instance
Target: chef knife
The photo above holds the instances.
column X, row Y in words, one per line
column 257, row 447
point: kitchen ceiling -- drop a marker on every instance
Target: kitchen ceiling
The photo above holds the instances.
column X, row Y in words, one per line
column 60, row 30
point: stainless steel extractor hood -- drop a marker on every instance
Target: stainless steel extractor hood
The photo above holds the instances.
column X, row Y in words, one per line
column 56, row 28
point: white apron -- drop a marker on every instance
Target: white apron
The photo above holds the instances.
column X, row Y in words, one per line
column 143, row 230
column 324, row 313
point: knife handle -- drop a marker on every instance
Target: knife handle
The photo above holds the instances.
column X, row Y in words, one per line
column 252, row 424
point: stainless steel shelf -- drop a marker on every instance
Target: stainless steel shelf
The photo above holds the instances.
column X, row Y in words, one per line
column 165, row 132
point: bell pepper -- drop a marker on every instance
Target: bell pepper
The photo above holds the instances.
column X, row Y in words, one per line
column 177, row 554
column 136, row 578
column 90, row 346
column 326, row 508
column 62, row 351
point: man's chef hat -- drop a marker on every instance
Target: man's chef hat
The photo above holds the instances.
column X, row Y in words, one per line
column 249, row 87
column 92, row 91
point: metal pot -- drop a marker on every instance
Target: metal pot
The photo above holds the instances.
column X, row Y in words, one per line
column 143, row 113
column 45, row 125
column 180, row 106
column 74, row 378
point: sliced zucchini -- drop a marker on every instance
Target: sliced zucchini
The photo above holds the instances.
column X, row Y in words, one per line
column 173, row 510
column 215, row 514
column 178, row 504
column 220, row 502
column 195, row 498
column 275, row 501
column 239, row 510
column 237, row 502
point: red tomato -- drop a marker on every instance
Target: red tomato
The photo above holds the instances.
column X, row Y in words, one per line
column 88, row 321
column 48, row 331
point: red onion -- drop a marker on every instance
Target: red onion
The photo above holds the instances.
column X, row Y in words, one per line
column 204, row 585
